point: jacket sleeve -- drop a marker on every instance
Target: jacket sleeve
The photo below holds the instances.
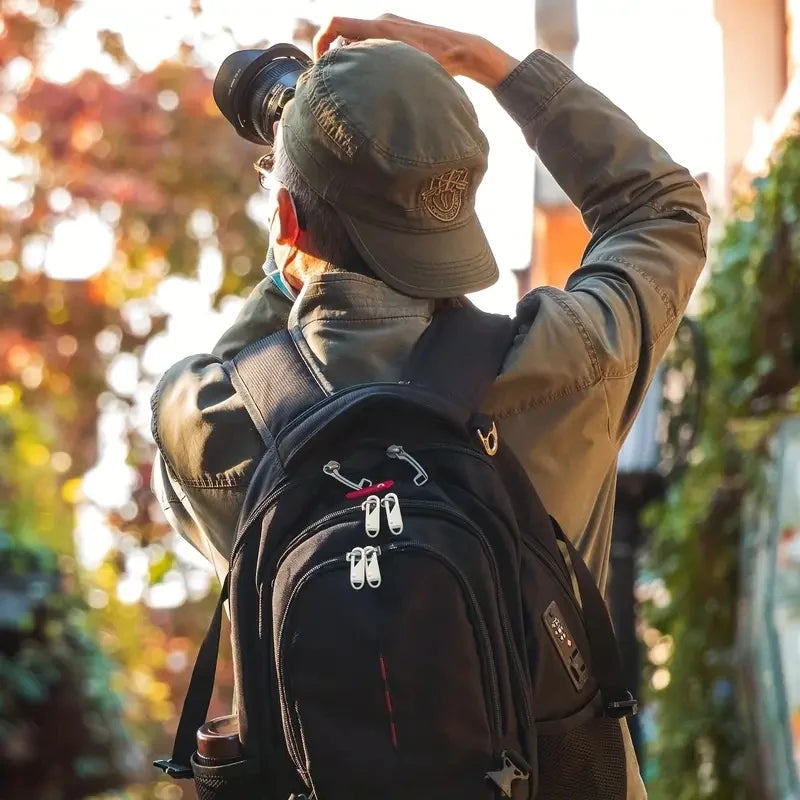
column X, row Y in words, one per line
column 208, row 447
column 648, row 224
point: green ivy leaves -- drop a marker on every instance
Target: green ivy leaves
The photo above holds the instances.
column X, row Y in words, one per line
column 751, row 321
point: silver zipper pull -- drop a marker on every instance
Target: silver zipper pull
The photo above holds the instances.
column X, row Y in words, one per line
column 332, row 469
column 393, row 514
column 397, row 451
column 372, row 516
column 358, row 567
column 373, row 570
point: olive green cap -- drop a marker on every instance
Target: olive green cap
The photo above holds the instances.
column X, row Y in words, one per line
column 383, row 133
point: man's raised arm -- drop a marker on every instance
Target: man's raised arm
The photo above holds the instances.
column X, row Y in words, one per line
column 646, row 214
column 647, row 219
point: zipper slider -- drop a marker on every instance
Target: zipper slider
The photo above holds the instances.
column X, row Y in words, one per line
column 398, row 451
column 373, row 570
column 332, row 469
column 372, row 516
column 358, row 567
column 393, row 514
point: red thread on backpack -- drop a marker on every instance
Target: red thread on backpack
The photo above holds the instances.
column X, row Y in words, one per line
column 388, row 697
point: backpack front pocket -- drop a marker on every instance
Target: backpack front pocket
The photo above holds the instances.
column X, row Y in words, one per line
column 388, row 689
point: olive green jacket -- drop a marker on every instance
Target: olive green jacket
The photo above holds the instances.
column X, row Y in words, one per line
column 578, row 369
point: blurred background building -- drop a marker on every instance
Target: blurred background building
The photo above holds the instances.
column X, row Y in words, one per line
column 760, row 93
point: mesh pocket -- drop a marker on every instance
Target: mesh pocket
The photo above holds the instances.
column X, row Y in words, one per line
column 585, row 762
column 237, row 781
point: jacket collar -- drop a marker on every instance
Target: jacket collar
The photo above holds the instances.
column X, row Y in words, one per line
column 349, row 297
column 357, row 329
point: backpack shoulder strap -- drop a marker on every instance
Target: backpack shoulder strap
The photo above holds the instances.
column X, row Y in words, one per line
column 198, row 696
column 275, row 382
column 461, row 353
column 458, row 357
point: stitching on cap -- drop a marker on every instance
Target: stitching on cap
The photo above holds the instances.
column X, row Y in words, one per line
column 327, row 112
column 457, row 263
column 410, row 227
column 416, row 162
column 362, row 137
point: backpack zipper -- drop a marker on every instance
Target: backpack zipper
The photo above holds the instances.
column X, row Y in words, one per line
column 399, row 452
column 372, row 515
column 419, row 390
column 425, row 505
column 485, row 652
column 242, row 529
column 394, row 515
column 288, row 727
column 310, row 530
column 283, row 487
column 356, row 558
column 504, row 622
column 372, row 570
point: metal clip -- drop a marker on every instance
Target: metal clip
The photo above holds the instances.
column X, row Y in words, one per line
column 332, row 469
column 358, row 568
column 393, row 514
column 397, row 451
column 372, row 516
column 490, row 441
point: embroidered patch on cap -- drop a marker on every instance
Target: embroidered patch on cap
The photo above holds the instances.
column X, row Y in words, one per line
column 445, row 193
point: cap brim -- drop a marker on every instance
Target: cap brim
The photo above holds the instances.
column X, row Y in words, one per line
column 435, row 264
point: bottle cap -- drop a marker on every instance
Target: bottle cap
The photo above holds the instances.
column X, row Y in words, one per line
column 218, row 739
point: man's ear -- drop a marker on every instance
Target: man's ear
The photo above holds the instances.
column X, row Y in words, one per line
column 288, row 227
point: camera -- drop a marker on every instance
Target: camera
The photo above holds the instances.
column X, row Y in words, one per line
column 252, row 88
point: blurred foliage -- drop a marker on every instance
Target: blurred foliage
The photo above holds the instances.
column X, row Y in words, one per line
column 52, row 669
column 149, row 157
column 752, row 328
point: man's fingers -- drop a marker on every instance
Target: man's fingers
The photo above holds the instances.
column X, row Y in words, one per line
column 346, row 27
column 324, row 39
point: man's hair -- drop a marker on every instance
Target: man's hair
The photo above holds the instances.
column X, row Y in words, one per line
column 322, row 223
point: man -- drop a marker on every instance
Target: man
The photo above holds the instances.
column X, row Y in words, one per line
column 372, row 227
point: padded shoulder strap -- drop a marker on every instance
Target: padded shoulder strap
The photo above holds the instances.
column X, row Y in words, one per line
column 461, row 353
column 275, row 383
column 458, row 357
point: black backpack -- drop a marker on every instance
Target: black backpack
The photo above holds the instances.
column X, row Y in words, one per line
column 408, row 623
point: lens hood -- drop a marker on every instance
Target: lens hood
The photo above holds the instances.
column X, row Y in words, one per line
column 235, row 76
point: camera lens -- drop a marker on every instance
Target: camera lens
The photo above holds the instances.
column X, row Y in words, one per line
column 252, row 88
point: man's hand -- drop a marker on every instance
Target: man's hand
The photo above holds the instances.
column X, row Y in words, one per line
column 459, row 53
